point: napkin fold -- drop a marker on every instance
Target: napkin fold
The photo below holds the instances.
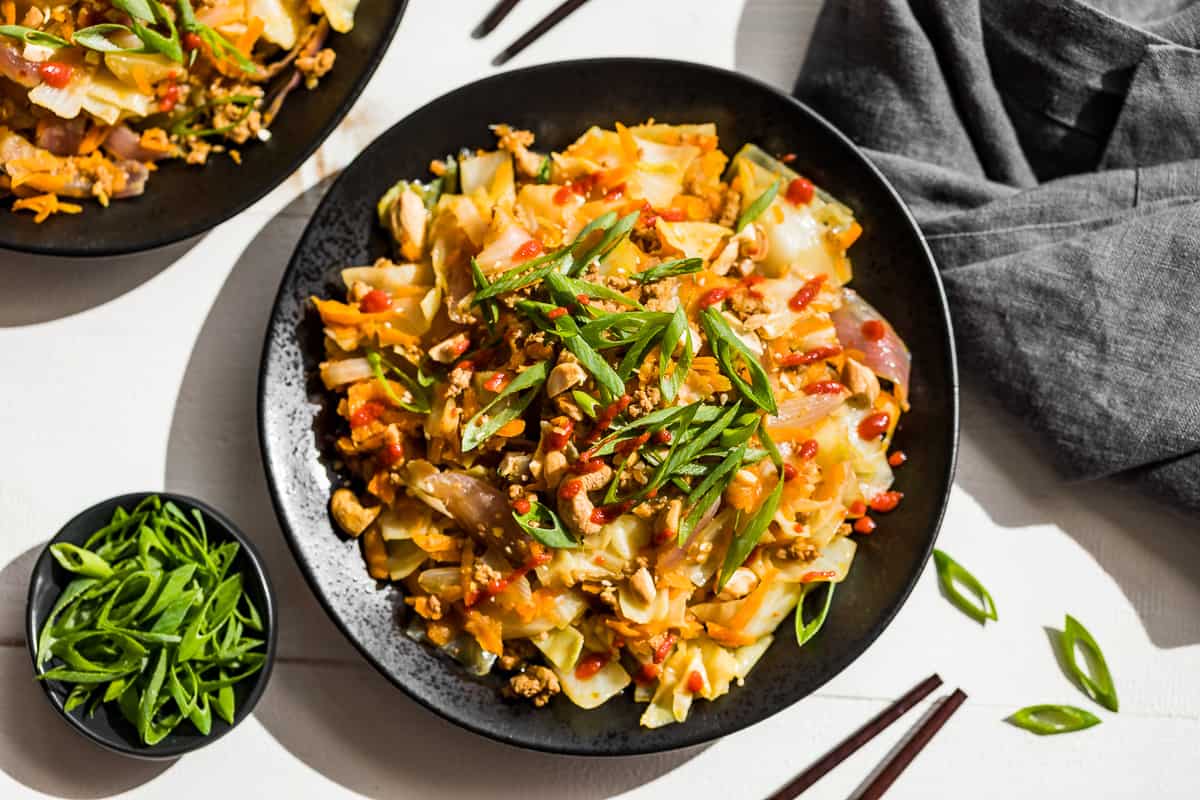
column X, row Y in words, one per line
column 1050, row 150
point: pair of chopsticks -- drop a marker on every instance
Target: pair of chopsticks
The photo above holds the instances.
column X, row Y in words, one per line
column 502, row 9
column 891, row 770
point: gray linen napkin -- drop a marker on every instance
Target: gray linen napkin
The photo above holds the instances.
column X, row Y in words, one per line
column 1050, row 150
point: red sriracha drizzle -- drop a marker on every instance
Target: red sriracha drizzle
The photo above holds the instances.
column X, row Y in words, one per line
column 647, row 674
column 392, row 453
column 522, row 506
column 629, row 445
column 497, row 382
column 790, row 472
column 555, row 313
column 713, row 296
column 660, row 652
column 806, row 293
column 857, row 508
column 808, row 450
column 864, row 525
column 897, row 458
column 800, row 192
column 191, row 41
column 695, row 682
column 886, row 501
column 615, row 193
column 874, row 426
column 366, row 414
column 662, row 436
column 818, row 575
column 673, row 214
column 590, row 664
column 498, row 585
column 557, row 440
column 528, row 250
column 570, row 488
column 602, row 515
column 170, row 97
column 55, row 73
column 606, row 416
column 873, row 330
column 823, row 387
column 810, row 356
column 375, row 301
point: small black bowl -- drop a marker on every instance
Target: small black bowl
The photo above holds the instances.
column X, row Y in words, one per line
column 107, row 727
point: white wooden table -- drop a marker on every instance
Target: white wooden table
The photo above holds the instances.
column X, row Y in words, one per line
column 139, row 373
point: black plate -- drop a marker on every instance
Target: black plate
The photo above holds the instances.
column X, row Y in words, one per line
column 183, row 201
column 558, row 102
column 107, row 727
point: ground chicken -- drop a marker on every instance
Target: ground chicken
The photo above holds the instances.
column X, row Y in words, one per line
column 799, row 550
column 536, row 683
column 314, row 67
column 731, row 206
column 645, row 400
column 661, row 295
column 516, row 653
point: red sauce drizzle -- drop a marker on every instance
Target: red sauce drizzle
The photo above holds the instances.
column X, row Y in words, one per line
column 857, row 508
column 55, row 73
column 583, row 300
column 874, row 425
column 522, row 506
column 570, row 488
column 873, row 330
column 590, row 664
column 665, row 535
column 629, row 445
column 555, row 313
column 660, row 652
column 713, row 296
column 375, row 301
column 810, row 356
column 392, row 453
column 602, row 515
column 170, row 97
column 615, row 193
column 673, row 214
column 662, row 436
column 528, row 250
column 497, row 381
column 800, row 192
column 808, row 450
column 864, row 525
column 606, row 416
column 648, row 673
column 787, row 158
column 823, row 387
column 366, row 414
column 790, row 472
column 556, row 439
column 818, row 575
column 191, row 41
column 695, row 682
column 806, row 293
column 886, row 501
column 897, row 458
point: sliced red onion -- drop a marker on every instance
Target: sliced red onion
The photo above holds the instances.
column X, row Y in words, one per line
column 16, row 67
column 136, row 174
column 62, row 136
column 125, row 143
column 887, row 356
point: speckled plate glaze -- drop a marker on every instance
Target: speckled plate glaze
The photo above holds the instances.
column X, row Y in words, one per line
column 107, row 727
column 559, row 101
column 183, row 201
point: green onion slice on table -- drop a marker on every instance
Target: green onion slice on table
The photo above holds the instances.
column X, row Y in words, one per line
column 1046, row 720
column 1099, row 684
column 951, row 574
column 807, row 630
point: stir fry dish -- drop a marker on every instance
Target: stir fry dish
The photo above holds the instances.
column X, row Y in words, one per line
column 611, row 414
column 94, row 93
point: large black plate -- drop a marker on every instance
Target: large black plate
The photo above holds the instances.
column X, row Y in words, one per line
column 182, row 201
column 558, row 101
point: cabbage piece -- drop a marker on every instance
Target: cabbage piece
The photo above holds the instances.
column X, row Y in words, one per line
column 566, row 609
column 595, row 150
column 441, row 581
column 835, row 557
column 692, row 239
column 673, row 134
column 720, row 667
column 625, row 536
column 282, row 20
column 393, row 279
column 560, row 647
column 478, row 172
column 348, row 370
column 153, row 67
column 466, row 650
column 536, row 209
column 660, row 170
column 504, row 238
column 339, row 12
column 633, row 607
column 778, row 598
column 591, row 692
column 746, row 657
column 107, row 99
column 403, row 558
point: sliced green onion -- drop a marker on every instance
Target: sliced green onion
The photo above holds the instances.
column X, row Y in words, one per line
column 95, row 37
column 420, row 403
column 1099, row 684
column 543, row 174
column 760, row 204
column 950, row 574
column 745, row 540
column 544, row 525
column 675, row 334
column 587, row 404
column 612, row 237
column 709, row 490
column 807, row 630
column 669, row 269
column 732, row 354
column 32, row 36
column 1047, row 720
column 80, row 561
column 510, row 403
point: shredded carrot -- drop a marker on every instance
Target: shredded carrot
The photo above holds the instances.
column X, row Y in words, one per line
column 92, row 139
column 9, row 9
column 245, row 42
column 41, row 181
column 628, row 145
column 849, row 236
column 43, row 205
column 155, row 139
column 140, row 79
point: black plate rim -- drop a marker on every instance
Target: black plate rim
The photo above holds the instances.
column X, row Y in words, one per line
column 686, row 740
column 191, row 230
column 270, row 619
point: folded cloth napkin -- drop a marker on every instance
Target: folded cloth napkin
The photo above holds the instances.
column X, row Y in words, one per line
column 1050, row 150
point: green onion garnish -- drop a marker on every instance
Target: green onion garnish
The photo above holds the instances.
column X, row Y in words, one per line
column 544, row 525
column 807, row 630
column 760, row 204
column 950, row 574
column 669, row 269
column 32, row 36
column 733, row 355
column 1098, row 685
column 1046, row 720
column 509, row 404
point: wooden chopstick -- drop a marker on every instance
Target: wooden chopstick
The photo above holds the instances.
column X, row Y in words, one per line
column 913, row 746
column 533, row 34
column 494, row 18
column 854, row 741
